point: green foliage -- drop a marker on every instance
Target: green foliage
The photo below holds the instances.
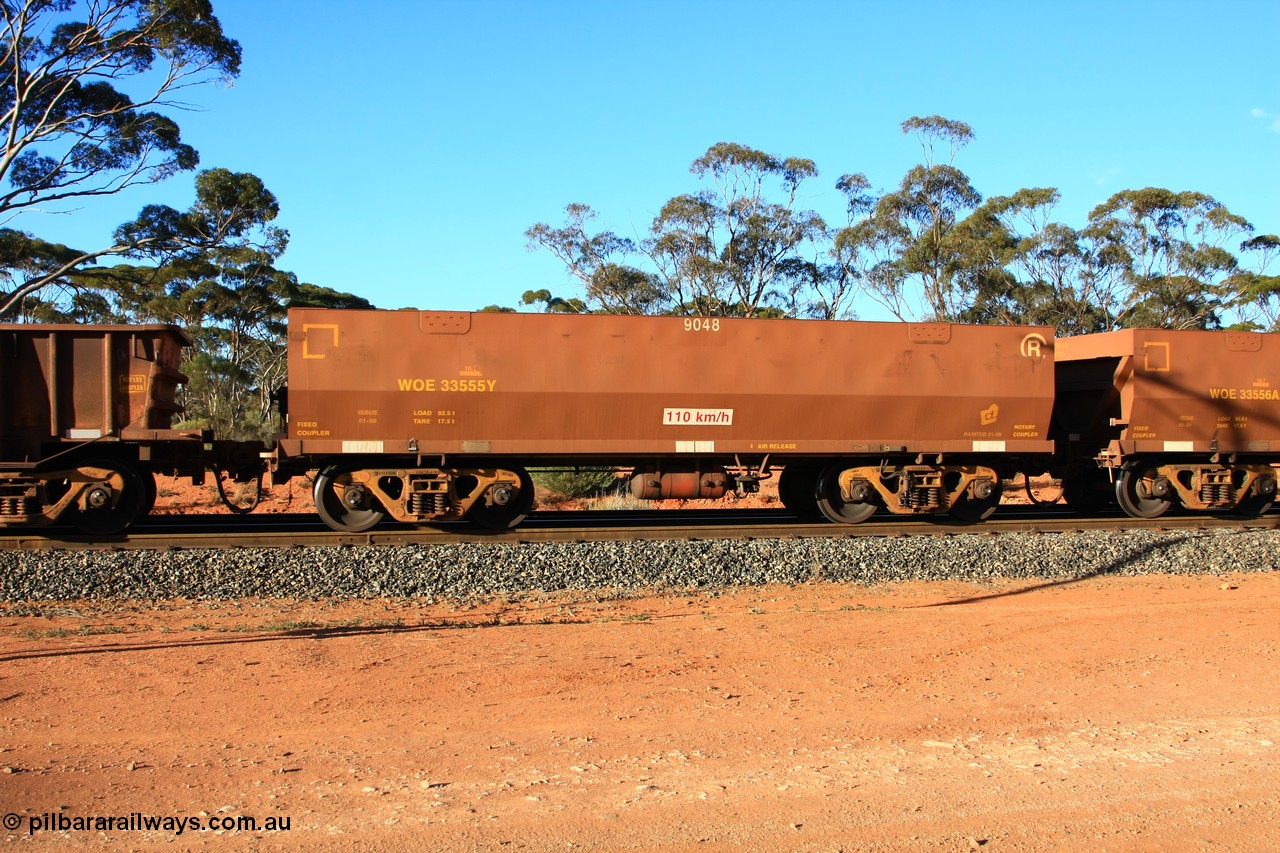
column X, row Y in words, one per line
column 931, row 248
column 303, row 295
column 1166, row 250
column 903, row 247
column 552, row 304
column 72, row 131
column 737, row 250
column 734, row 250
column 232, row 302
column 1256, row 293
column 572, row 483
column 596, row 262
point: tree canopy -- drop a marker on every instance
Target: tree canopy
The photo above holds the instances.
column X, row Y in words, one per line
column 87, row 89
column 83, row 101
column 930, row 248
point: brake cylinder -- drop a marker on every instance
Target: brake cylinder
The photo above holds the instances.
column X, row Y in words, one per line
column 681, row 485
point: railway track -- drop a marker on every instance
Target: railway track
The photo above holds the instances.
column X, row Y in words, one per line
column 288, row 531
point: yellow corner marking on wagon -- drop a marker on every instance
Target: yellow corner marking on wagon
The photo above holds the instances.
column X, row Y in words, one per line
column 306, row 338
column 1156, row 357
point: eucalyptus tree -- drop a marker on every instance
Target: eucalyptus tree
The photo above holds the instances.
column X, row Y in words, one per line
column 743, row 248
column 1168, row 251
column 239, row 357
column 85, row 87
column 904, row 254
column 1020, row 267
column 228, row 296
column 24, row 257
column 599, row 263
column 226, row 293
column 1255, row 294
column 233, row 303
column 553, row 304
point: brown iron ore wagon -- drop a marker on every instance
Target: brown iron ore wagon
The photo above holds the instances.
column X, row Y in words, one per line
column 1157, row 417
column 429, row 415
column 86, row 422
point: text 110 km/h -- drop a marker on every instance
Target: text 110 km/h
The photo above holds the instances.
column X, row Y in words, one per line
column 697, row 417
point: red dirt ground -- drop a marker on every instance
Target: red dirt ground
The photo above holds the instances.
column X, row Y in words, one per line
column 1108, row 714
column 1105, row 714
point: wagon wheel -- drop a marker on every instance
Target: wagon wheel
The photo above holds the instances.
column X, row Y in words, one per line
column 970, row 508
column 1134, row 493
column 344, row 505
column 832, row 504
column 1252, row 506
column 797, row 489
column 113, row 503
column 508, row 515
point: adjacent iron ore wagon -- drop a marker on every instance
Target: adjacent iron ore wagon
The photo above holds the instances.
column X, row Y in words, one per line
column 1156, row 417
column 426, row 415
column 86, row 418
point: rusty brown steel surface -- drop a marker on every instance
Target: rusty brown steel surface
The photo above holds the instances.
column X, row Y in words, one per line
column 1173, row 391
column 65, row 383
column 607, row 386
column 570, row 527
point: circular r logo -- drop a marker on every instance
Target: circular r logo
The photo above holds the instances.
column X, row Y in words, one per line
column 1032, row 346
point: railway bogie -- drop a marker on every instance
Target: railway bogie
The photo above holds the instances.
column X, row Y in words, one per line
column 355, row 498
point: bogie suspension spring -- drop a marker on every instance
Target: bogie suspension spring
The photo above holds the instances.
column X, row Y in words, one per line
column 428, row 503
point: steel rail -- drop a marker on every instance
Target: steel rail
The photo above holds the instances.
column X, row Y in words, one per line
column 290, row 531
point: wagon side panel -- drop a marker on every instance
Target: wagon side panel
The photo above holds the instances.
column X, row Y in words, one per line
column 580, row 386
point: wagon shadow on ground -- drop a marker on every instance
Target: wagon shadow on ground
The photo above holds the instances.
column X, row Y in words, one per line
column 251, row 635
column 1111, row 568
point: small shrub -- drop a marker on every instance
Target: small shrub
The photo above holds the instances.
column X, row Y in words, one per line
column 622, row 499
column 570, row 484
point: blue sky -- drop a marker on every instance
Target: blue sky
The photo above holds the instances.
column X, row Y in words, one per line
column 412, row 143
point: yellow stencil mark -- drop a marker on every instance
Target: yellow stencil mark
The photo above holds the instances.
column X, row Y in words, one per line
column 306, row 338
column 1156, row 357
